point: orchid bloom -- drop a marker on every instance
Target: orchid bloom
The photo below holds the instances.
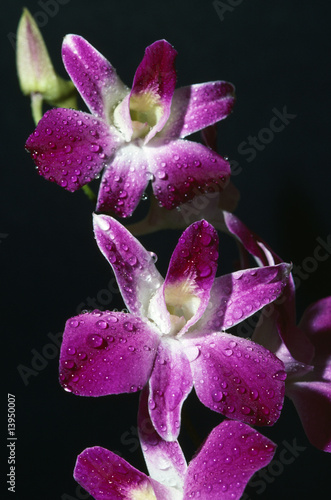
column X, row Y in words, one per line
column 174, row 334
column 304, row 349
column 231, row 454
column 134, row 135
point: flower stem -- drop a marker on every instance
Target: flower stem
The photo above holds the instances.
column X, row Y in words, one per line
column 36, row 107
column 89, row 193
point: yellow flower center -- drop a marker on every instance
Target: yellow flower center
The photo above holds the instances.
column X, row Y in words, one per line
column 145, row 112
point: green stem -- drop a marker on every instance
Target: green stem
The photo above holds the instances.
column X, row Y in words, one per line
column 89, row 193
column 37, row 107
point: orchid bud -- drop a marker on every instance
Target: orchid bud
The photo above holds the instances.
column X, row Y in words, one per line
column 36, row 73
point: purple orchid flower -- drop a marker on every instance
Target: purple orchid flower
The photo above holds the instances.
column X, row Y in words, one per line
column 174, row 334
column 304, row 349
column 134, row 135
column 231, row 454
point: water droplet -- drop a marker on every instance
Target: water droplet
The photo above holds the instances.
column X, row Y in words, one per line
column 254, row 395
column 95, row 147
column 71, row 350
column 70, row 364
column 192, row 352
column 161, row 174
column 280, row 375
column 67, row 148
column 102, row 324
column 151, row 404
column 94, row 341
column 74, row 323
column 245, row 410
column 228, row 352
column 217, row 396
column 204, row 270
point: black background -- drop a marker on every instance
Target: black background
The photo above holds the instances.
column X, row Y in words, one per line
column 276, row 54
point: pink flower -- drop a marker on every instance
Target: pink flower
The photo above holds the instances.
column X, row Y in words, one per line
column 305, row 349
column 135, row 135
column 231, row 454
column 174, row 334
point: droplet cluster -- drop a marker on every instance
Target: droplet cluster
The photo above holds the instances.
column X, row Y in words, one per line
column 188, row 171
column 99, row 347
column 70, row 147
column 231, row 455
column 239, row 379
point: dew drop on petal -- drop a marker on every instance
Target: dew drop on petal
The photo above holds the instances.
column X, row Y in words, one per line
column 94, row 341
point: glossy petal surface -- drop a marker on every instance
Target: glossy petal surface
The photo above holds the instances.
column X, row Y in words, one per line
column 312, row 400
column 236, row 296
column 107, row 476
column 232, row 453
column 133, row 265
column 155, row 81
column 106, row 353
column 71, row 148
column 164, row 459
column 237, row 377
column 183, row 169
column 197, row 106
column 191, row 272
column 170, row 384
column 124, row 181
column 94, row 77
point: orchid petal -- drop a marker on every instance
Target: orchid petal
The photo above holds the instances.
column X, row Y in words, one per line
column 316, row 324
column 191, row 272
column 107, row 476
column 182, row 169
column 236, row 377
column 197, row 106
column 70, row 147
column 312, row 400
column 154, row 84
column 94, row 77
column 299, row 346
column 124, row 182
column 234, row 297
column 165, row 460
column 170, row 384
column 232, row 453
column 106, row 353
column 133, row 265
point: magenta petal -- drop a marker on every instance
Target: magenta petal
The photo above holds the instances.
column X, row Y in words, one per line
column 107, row 476
column 133, row 265
column 165, row 460
column 191, row 272
column 170, row 384
column 183, row 169
column 312, row 400
column 155, row 79
column 198, row 106
column 232, row 453
column 124, row 181
column 237, row 377
column 70, row 147
column 316, row 319
column 234, row 297
column 94, row 77
column 106, row 353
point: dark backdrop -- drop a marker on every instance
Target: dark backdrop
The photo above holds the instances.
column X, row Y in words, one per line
column 277, row 55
